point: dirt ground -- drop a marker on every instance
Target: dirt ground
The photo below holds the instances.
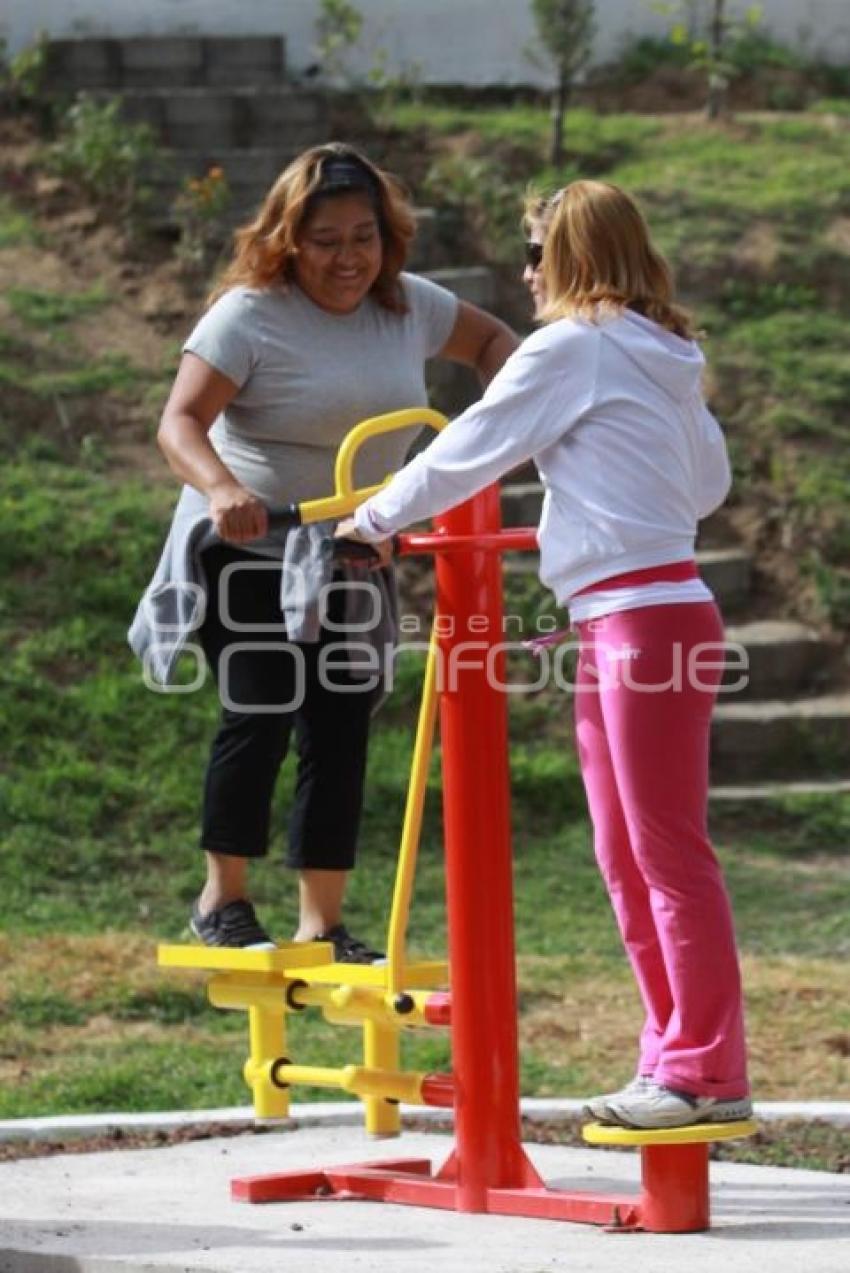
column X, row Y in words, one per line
column 791, row 1143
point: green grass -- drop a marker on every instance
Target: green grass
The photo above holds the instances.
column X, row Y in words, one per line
column 791, row 170
column 16, row 227
column 788, row 168
column 786, row 374
column 114, row 374
column 525, row 124
column 48, row 309
column 59, row 398
column 99, row 802
column 831, row 106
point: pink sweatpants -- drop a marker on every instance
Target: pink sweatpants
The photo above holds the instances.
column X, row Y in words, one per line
column 643, row 708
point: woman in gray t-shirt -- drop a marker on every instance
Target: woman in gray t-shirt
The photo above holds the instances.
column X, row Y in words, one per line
column 313, row 328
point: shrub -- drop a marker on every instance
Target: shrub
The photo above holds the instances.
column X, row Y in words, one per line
column 200, row 210
column 106, row 157
column 640, row 57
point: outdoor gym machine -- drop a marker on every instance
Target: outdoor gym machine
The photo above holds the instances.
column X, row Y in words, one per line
column 488, row 1169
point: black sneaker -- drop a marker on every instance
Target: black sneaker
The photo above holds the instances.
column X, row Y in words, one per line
column 348, row 949
column 235, row 924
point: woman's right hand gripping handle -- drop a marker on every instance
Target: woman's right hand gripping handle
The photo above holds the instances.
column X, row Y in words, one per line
column 237, row 514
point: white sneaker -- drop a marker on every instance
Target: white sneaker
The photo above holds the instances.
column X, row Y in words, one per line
column 656, row 1106
column 597, row 1106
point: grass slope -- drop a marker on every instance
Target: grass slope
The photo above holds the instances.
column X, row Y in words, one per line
column 99, row 780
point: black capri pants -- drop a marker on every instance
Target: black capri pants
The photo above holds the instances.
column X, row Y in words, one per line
column 269, row 687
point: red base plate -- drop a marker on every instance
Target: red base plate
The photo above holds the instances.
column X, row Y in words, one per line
column 409, row 1181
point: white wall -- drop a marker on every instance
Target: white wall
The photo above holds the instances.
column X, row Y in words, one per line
column 454, row 41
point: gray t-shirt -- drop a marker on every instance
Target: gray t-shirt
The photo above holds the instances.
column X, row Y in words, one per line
column 306, row 377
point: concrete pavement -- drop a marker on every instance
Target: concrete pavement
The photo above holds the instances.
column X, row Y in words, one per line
column 152, row 1210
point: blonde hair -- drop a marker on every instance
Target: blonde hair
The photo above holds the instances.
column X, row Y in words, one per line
column 538, row 210
column 598, row 258
column 266, row 248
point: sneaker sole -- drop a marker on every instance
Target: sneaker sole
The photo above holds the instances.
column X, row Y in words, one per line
column 734, row 1115
column 738, row 1114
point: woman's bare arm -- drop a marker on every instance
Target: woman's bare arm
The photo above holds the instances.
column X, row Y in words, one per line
column 199, row 394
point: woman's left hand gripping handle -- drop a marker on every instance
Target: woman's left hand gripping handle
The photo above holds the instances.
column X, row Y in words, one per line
column 351, row 547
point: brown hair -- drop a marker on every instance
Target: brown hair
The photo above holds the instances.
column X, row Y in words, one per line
column 267, row 246
column 598, row 259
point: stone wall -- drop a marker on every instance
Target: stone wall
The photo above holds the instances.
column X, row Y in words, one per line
column 474, row 42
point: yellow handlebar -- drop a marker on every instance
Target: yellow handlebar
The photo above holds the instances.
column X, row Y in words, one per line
column 345, row 498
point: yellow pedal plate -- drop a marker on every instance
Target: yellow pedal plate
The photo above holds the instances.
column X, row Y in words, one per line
column 298, row 955
column 697, row 1133
column 311, row 961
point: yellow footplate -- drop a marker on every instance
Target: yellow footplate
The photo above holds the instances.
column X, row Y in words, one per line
column 605, row 1134
column 312, row 961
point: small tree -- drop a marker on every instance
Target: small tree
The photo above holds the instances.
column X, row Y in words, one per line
column 22, row 77
column 338, row 28
column 710, row 52
column 565, row 30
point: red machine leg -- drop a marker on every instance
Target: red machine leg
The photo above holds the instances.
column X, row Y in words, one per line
column 675, row 1195
column 479, row 869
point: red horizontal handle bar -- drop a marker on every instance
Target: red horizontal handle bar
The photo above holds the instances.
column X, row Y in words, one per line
column 437, row 1009
column 521, row 539
column 438, row 1089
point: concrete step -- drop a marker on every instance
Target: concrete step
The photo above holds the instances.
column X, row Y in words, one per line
column 728, row 573
column 167, row 62
column 246, row 169
column 250, row 174
column 476, row 284
column 799, row 739
column 779, row 658
column 780, row 790
column 425, row 250
column 521, row 503
column 279, row 118
column 451, row 387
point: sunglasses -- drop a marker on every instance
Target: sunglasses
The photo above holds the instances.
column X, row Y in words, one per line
column 534, row 255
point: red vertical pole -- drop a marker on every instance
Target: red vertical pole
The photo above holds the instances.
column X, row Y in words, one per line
column 479, row 878
column 675, row 1188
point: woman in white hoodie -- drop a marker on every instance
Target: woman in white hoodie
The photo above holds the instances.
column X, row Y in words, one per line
column 606, row 398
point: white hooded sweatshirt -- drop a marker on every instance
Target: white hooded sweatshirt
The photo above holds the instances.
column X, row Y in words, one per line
column 630, row 457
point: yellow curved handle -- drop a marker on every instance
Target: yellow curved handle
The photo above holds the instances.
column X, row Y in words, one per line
column 345, row 498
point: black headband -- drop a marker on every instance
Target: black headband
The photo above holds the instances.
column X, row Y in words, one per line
column 346, row 174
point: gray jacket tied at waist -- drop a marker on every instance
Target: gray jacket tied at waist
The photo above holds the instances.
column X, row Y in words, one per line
column 173, row 605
